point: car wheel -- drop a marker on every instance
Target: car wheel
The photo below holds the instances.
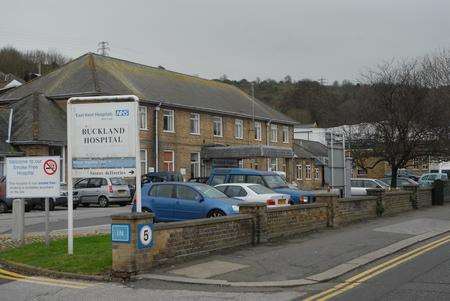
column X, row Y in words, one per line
column 216, row 213
column 74, row 206
column 85, row 204
column 3, row 207
column 103, row 202
column 146, row 210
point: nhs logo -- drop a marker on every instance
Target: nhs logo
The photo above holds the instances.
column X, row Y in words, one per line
column 122, row 112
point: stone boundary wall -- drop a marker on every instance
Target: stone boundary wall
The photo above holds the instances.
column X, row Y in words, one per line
column 355, row 209
column 178, row 241
column 292, row 220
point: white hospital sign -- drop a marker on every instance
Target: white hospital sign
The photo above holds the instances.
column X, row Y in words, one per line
column 33, row 177
column 103, row 139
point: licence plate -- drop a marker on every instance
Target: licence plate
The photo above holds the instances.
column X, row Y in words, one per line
column 282, row 202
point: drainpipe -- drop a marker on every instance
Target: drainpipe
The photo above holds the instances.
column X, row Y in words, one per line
column 157, row 108
column 267, row 141
column 10, row 125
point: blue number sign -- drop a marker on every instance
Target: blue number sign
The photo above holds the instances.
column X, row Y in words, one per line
column 120, row 233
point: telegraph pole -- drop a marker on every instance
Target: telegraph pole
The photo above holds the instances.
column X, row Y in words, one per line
column 103, row 48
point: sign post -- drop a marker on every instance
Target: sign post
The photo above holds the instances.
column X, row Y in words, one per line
column 32, row 177
column 102, row 140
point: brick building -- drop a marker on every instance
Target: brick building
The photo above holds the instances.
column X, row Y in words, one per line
column 310, row 160
column 188, row 124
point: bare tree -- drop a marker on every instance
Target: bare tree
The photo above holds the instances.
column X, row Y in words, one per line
column 409, row 110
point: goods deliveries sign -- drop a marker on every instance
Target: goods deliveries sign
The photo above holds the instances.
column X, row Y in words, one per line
column 32, row 177
column 103, row 139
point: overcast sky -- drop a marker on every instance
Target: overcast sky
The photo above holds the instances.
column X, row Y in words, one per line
column 333, row 39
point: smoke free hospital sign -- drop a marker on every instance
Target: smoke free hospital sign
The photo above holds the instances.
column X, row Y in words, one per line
column 33, row 177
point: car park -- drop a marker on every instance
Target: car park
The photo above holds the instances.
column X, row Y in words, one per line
column 254, row 193
column 402, row 182
column 359, row 186
column 102, row 191
column 428, row 179
column 175, row 201
column 268, row 179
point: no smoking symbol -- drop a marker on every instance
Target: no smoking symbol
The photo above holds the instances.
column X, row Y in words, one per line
column 50, row 167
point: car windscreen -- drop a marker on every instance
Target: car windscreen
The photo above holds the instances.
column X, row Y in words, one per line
column 275, row 181
column 210, row 192
column 259, row 189
column 381, row 183
column 118, row 181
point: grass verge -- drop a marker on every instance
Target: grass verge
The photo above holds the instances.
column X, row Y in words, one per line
column 91, row 255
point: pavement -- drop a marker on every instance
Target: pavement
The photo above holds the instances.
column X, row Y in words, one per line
column 314, row 257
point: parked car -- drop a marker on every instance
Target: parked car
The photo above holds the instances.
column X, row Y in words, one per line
column 102, row 191
column 268, row 179
column 359, row 186
column 401, row 182
column 404, row 173
column 162, row 176
column 174, row 201
column 203, row 180
column 427, row 179
column 254, row 193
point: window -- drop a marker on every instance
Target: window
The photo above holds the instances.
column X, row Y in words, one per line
column 82, row 184
column 217, row 126
column 195, row 165
column 237, row 179
column 169, row 160
column 217, row 179
column 235, row 191
column 169, row 121
column 273, row 133
column 187, row 193
column 95, row 183
column 316, row 173
column 239, row 129
column 273, row 166
column 143, row 158
column 241, row 163
column 195, row 123
column 2, row 167
column 255, row 179
column 308, row 172
column 299, row 172
column 259, row 189
column 285, row 134
column 162, row 191
column 258, row 135
column 143, row 118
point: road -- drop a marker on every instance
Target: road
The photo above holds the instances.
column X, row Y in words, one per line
column 83, row 217
column 420, row 274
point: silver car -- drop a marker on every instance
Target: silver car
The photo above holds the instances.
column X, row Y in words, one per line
column 102, row 191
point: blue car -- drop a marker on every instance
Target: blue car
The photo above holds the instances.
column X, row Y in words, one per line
column 269, row 179
column 176, row 201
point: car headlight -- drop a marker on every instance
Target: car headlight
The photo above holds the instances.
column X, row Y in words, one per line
column 235, row 208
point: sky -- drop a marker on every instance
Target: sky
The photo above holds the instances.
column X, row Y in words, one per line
column 328, row 39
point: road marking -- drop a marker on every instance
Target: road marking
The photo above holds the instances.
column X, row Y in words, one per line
column 364, row 276
column 8, row 275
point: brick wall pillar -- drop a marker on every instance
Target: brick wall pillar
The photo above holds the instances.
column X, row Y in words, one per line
column 127, row 258
column 259, row 213
column 331, row 200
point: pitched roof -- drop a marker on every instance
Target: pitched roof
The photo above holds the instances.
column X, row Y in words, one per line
column 308, row 149
column 93, row 74
column 38, row 120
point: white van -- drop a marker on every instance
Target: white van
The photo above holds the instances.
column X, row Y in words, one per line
column 442, row 167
